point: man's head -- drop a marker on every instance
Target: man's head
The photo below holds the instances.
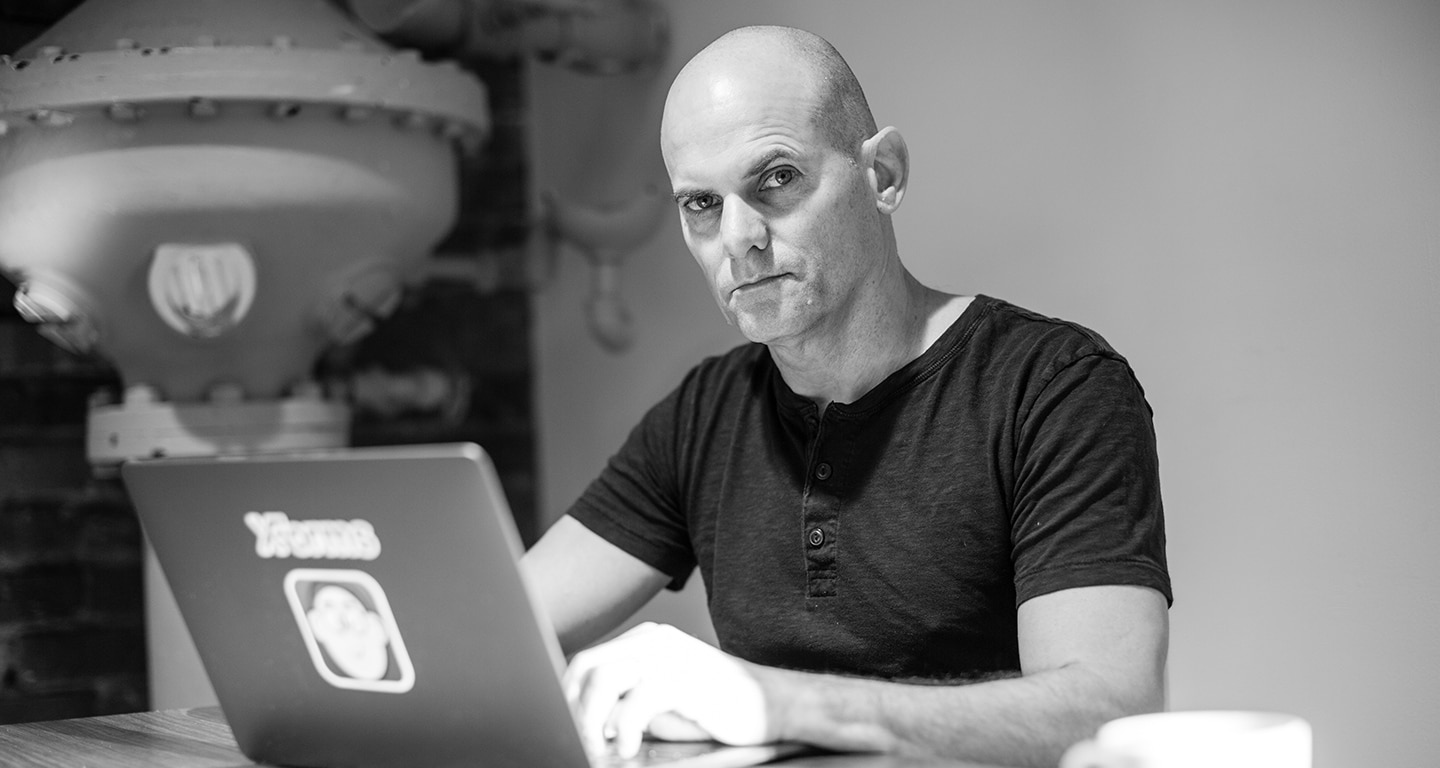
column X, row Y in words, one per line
column 842, row 114
column 783, row 183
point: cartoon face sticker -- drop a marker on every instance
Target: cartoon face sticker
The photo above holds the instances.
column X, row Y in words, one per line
column 349, row 629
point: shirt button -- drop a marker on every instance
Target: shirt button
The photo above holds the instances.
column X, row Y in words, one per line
column 822, row 472
column 816, row 537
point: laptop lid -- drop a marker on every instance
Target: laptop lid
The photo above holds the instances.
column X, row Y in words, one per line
column 360, row 607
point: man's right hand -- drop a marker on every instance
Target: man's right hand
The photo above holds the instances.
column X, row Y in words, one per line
column 655, row 677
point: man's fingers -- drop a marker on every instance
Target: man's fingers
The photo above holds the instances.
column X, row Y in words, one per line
column 658, row 678
column 633, row 715
column 599, row 677
column 597, row 693
column 672, row 726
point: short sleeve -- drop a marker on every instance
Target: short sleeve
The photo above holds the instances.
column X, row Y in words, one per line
column 636, row 504
column 1087, row 505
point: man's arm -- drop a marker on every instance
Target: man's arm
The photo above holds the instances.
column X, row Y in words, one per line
column 587, row 585
column 1087, row 655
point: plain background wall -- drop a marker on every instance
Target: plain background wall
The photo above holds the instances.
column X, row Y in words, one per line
column 1243, row 197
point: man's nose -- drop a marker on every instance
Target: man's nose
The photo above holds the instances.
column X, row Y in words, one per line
column 742, row 228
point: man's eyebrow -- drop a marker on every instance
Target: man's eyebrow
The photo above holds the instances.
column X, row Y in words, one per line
column 683, row 195
column 759, row 166
column 768, row 158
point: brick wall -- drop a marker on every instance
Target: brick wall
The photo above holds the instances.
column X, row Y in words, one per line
column 71, row 623
column 72, row 637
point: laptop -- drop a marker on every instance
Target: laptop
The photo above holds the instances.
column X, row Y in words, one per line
column 364, row 607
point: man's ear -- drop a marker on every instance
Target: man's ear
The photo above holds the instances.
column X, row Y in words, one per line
column 886, row 161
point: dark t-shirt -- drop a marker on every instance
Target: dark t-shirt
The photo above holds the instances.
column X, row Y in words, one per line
column 896, row 535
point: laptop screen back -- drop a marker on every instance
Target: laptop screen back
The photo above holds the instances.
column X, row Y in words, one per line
column 360, row 606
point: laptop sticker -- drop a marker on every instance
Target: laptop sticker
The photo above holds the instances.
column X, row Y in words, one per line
column 349, row 630
column 276, row 535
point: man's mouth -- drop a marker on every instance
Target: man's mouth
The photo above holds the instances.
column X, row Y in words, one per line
column 758, row 283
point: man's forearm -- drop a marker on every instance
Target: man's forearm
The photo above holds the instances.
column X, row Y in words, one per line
column 1021, row 721
column 1091, row 654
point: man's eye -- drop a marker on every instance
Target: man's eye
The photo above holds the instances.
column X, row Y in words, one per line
column 700, row 203
column 778, row 178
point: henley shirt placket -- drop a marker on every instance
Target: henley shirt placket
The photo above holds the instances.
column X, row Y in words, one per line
column 820, row 513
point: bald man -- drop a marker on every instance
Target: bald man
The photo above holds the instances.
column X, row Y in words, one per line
column 926, row 523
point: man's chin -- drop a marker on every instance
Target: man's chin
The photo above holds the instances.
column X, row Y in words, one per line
column 762, row 330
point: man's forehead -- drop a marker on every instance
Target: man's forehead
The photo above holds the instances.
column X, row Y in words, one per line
column 703, row 154
column 734, row 121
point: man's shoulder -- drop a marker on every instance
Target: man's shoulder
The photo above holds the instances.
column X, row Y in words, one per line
column 1016, row 329
column 1021, row 352
column 739, row 372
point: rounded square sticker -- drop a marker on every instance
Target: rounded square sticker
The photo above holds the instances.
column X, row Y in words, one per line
column 349, row 629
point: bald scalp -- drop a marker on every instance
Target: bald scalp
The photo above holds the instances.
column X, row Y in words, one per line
column 842, row 113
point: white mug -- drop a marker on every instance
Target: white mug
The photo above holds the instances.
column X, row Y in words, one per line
column 1213, row 739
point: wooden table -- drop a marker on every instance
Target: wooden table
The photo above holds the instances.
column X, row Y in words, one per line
column 192, row 738
column 200, row 738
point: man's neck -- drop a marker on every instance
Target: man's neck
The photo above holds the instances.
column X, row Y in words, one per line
column 881, row 337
